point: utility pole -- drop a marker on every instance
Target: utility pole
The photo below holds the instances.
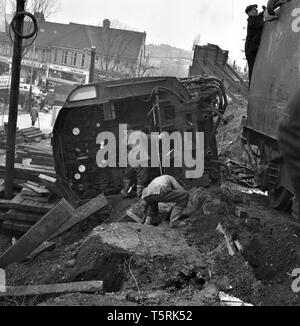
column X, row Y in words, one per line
column 14, row 101
column 92, row 64
column 31, row 76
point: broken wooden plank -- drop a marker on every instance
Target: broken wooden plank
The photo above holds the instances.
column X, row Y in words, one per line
column 28, row 192
column 227, row 239
column 13, row 214
column 51, row 184
column 42, row 248
column 82, row 213
column 16, row 226
column 59, row 288
column 39, row 233
column 40, row 199
column 26, row 205
column 28, row 172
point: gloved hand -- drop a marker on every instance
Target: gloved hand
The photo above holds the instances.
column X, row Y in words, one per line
column 126, row 187
column 124, row 193
column 139, row 190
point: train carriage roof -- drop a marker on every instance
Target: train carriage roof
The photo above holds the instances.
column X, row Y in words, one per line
column 116, row 90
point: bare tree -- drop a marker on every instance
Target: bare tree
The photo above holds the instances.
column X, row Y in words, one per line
column 113, row 49
column 47, row 7
column 143, row 69
column 197, row 40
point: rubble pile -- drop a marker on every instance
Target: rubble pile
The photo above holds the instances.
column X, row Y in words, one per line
column 221, row 254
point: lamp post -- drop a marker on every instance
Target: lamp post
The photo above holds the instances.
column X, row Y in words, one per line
column 31, row 76
column 13, row 102
column 92, row 64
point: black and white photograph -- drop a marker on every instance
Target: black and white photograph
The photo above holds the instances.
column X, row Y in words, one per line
column 149, row 156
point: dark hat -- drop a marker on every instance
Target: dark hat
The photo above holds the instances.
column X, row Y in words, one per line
column 250, row 8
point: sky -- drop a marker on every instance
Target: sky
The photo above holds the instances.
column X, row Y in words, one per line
column 174, row 22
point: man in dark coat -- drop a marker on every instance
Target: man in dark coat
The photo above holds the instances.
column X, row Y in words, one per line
column 289, row 138
column 254, row 32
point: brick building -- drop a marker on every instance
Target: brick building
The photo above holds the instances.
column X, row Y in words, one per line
column 61, row 52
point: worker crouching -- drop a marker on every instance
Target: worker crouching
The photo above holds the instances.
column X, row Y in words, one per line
column 165, row 189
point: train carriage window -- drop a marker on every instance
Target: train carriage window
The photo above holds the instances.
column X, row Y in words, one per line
column 109, row 111
column 83, row 93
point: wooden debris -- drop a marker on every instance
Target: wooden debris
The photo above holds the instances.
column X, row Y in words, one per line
column 51, row 184
column 229, row 300
column 42, row 248
column 59, row 288
column 20, row 203
column 24, row 216
column 39, row 156
column 28, row 172
column 238, row 246
column 16, row 226
column 240, row 212
column 82, row 213
column 39, row 233
column 38, row 189
column 227, row 239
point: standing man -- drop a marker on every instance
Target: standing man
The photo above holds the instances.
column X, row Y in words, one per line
column 34, row 114
column 254, row 32
column 289, row 138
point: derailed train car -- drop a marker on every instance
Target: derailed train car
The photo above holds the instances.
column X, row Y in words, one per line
column 149, row 104
column 276, row 77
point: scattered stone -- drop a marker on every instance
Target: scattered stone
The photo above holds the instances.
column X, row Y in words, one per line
column 71, row 263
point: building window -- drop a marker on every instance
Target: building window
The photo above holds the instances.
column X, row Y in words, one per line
column 73, row 58
column 43, row 55
column 82, row 60
column 65, row 57
column 55, row 56
column 7, row 49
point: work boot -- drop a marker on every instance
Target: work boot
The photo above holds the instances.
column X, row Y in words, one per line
column 175, row 216
column 153, row 217
column 138, row 211
column 148, row 220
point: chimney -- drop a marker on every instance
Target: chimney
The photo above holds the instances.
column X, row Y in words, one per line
column 106, row 23
column 40, row 17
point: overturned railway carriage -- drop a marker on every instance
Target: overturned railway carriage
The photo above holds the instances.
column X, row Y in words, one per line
column 157, row 104
column 276, row 77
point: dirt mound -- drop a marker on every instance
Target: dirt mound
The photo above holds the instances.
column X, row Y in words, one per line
column 228, row 136
column 189, row 266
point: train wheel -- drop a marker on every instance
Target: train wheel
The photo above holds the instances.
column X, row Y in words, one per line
column 280, row 198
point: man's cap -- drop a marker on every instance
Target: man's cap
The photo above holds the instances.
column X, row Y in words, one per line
column 250, row 7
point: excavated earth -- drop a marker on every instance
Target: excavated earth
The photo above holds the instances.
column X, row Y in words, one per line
column 156, row 265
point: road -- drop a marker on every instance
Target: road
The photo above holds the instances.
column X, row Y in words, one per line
column 24, row 120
